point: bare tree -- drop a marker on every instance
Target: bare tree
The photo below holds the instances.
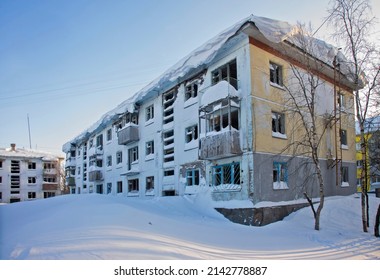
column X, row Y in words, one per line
column 303, row 95
column 353, row 23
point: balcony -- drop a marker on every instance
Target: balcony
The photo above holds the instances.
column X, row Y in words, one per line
column 50, row 171
column 49, row 186
column 70, row 181
column 96, row 175
column 70, row 162
column 220, row 145
column 128, row 134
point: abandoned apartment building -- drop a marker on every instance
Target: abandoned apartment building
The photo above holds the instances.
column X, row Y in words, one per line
column 215, row 121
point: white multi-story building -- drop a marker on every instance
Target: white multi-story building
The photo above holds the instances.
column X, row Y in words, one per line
column 28, row 174
column 215, row 120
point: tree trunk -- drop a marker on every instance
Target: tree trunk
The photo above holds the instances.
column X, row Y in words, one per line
column 321, row 196
column 377, row 222
column 364, row 175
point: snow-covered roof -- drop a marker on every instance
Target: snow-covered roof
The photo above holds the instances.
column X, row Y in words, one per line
column 198, row 60
column 217, row 92
column 27, row 153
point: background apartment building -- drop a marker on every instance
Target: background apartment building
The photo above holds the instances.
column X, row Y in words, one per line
column 28, row 174
column 216, row 122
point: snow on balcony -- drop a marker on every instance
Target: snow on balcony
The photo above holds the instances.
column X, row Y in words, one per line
column 220, row 144
column 218, row 92
column 128, row 134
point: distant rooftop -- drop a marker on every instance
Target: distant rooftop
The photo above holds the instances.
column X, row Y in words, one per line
column 13, row 151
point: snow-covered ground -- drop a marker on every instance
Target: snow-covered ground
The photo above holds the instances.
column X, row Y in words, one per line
column 114, row 227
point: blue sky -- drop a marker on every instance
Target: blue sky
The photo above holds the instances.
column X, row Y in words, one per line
column 66, row 63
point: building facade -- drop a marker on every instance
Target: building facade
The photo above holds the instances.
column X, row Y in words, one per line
column 28, row 174
column 371, row 163
column 216, row 121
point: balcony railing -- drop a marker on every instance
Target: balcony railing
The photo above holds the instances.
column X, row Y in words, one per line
column 49, row 186
column 128, row 134
column 220, row 145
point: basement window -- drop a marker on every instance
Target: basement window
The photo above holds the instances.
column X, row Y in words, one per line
column 192, row 177
column 226, row 174
column 344, row 177
column 280, row 175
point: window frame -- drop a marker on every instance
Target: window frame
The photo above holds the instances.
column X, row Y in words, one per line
column 149, row 148
column 222, row 170
column 345, row 176
column 119, row 186
column 119, row 157
column 149, row 183
column 276, row 74
column 191, row 133
column 226, row 72
column 149, row 113
column 191, row 91
column 280, row 175
column 32, row 180
column 278, row 124
column 343, row 138
column 109, row 161
column 109, row 135
column 133, row 185
column 192, row 177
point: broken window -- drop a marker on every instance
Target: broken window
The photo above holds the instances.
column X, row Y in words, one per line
column 280, row 175
column 109, row 188
column 223, row 115
column 99, row 142
column 168, row 100
column 133, row 185
column 133, row 156
column 119, row 157
column 344, row 176
column 191, row 91
column 126, row 119
column 227, row 72
column 278, row 123
column 192, row 177
column 343, row 137
column 168, row 139
column 191, row 133
column 275, row 73
column 226, row 174
column 109, row 134
column 109, row 161
column 149, row 183
column 169, row 172
column 149, row 113
column 280, row 172
column 119, row 186
column 149, row 148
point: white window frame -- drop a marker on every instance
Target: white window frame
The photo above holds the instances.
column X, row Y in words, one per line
column 149, row 113
column 191, row 133
column 276, row 74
